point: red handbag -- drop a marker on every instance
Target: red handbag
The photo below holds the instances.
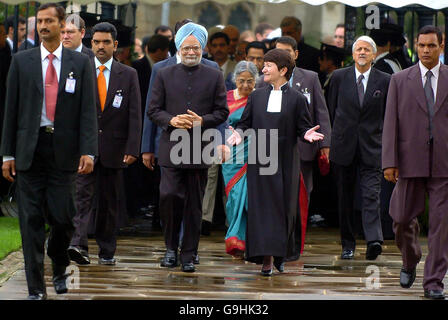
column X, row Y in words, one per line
column 324, row 164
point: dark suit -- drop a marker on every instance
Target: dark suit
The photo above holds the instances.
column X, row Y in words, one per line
column 119, row 132
column 26, row 45
column 308, row 83
column 176, row 89
column 47, row 163
column 87, row 51
column 423, row 169
column 5, row 61
column 388, row 64
column 140, row 182
column 307, row 57
column 151, row 133
column 356, row 148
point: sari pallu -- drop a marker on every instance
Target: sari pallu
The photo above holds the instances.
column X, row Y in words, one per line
column 234, row 174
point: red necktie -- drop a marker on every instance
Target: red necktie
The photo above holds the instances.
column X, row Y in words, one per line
column 51, row 88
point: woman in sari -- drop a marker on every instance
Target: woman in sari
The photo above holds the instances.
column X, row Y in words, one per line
column 234, row 169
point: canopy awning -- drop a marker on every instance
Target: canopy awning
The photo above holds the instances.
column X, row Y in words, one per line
column 433, row 4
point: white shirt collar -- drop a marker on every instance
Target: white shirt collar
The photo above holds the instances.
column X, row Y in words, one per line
column 280, row 86
column 224, row 66
column 79, row 49
column 178, row 60
column 10, row 42
column 435, row 70
column 108, row 64
column 365, row 74
column 380, row 56
column 44, row 52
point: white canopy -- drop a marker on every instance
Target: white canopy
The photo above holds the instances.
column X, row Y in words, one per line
column 433, row 4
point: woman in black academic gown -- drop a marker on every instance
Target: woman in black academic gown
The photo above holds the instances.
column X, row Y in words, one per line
column 273, row 225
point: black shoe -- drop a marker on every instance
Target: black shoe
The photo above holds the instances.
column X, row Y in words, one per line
column 196, row 259
column 407, row 278
column 266, row 272
column 80, row 256
column 434, row 294
column 107, row 262
column 37, row 296
column 347, row 254
column 206, row 228
column 59, row 279
column 279, row 264
column 188, row 267
column 373, row 250
column 170, row 259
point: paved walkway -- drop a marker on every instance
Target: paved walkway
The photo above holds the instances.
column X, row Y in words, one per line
column 319, row 274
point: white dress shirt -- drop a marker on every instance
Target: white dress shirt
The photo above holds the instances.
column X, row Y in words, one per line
column 44, row 121
column 106, row 71
column 10, row 42
column 275, row 99
column 366, row 77
column 79, row 49
column 434, row 78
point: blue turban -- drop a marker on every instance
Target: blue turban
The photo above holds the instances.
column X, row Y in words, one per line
column 196, row 30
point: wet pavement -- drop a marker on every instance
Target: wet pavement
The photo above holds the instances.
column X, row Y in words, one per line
column 318, row 274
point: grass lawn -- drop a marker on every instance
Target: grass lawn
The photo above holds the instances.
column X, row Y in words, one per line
column 10, row 239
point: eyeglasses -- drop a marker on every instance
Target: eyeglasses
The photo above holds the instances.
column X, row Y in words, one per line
column 250, row 58
column 250, row 82
column 195, row 49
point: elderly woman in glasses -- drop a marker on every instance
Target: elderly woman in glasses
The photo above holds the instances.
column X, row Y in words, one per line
column 234, row 172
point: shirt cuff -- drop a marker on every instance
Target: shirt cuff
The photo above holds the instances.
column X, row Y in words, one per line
column 8, row 158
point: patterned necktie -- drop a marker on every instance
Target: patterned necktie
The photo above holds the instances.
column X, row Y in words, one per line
column 102, row 89
column 51, row 88
column 429, row 94
column 360, row 89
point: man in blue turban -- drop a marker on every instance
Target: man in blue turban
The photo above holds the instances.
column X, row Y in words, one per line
column 191, row 29
column 184, row 95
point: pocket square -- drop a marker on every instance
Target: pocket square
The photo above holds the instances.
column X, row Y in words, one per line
column 377, row 94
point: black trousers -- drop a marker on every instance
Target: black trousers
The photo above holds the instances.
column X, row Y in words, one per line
column 141, row 186
column 370, row 184
column 45, row 194
column 181, row 194
column 100, row 194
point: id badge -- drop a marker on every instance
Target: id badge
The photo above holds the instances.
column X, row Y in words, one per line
column 70, row 85
column 117, row 101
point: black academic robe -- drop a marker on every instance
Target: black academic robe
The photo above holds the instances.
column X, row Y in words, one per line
column 274, row 225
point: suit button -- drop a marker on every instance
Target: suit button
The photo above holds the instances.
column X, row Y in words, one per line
column 100, row 131
column 99, row 117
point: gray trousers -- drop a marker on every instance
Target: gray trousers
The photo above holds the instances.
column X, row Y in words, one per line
column 208, row 203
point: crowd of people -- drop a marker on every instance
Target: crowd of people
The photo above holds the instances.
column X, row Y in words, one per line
column 88, row 139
